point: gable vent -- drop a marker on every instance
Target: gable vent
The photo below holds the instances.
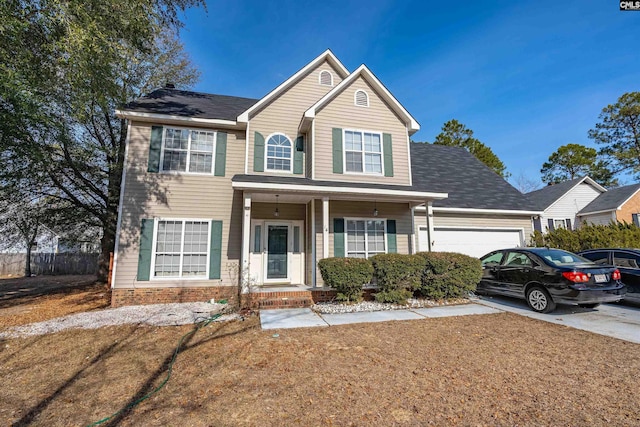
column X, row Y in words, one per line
column 326, row 79
column 361, row 98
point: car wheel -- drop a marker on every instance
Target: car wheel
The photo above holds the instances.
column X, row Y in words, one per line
column 590, row 305
column 539, row 300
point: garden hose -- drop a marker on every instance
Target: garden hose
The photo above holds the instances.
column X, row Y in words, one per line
column 131, row 405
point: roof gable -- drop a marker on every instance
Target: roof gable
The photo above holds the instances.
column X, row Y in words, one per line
column 327, row 55
column 376, row 85
column 546, row 197
column 611, row 200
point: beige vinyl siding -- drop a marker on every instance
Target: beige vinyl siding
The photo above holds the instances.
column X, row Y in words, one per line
column 284, row 114
column 178, row 196
column 487, row 221
column 570, row 204
column 287, row 211
column 599, row 219
column 378, row 117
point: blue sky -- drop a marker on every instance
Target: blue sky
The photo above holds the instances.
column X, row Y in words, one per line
column 526, row 77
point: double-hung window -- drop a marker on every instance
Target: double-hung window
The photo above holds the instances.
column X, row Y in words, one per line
column 279, row 150
column 363, row 152
column 365, row 237
column 185, row 150
column 181, row 248
column 559, row 223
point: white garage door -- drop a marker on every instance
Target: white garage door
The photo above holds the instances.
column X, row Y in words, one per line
column 473, row 242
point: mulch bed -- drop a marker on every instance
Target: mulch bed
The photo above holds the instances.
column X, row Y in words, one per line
column 498, row 370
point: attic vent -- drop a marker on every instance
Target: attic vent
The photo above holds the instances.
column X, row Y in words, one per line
column 361, row 98
column 326, row 79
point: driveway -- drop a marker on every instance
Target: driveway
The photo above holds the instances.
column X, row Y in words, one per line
column 614, row 320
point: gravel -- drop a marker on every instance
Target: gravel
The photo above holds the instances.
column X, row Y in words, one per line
column 173, row 314
column 338, row 308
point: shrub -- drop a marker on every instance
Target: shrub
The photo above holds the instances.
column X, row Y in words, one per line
column 346, row 276
column 397, row 296
column 397, row 271
column 449, row 275
column 590, row 236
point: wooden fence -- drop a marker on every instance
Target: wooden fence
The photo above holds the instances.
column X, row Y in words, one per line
column 42, row 263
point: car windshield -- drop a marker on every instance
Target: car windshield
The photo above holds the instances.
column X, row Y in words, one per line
column 559, row 257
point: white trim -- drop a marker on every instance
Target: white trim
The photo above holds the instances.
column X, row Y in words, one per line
column 156, row 221
column 245, row 272
column 313, row 243
column 586, row 178
column 481, row 211
column 430, row 226
column 265, row 242
column 597, row 212
column 326, row 55
column 246, row 150
column 313, row 148
column 325, row 227
column 187, row 171
column 413, row 125
column 170, row 119
column 414, row 248
column 564, row 221
column 409, row 156
column 320, row 77
column 363, row 152
column 355, row 98
column 120, row 203
column 520, row 230
column 317, row 189
column 366, row 234
column 266, row 154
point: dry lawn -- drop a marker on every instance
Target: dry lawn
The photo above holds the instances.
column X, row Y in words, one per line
column 33, row 299
column 490, row 370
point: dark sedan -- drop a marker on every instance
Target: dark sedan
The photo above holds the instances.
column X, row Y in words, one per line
column 545, row 277
column 627, row 261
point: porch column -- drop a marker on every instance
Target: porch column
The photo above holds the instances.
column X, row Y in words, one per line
column 313, row 243
column 325, row 227
column 413, row 249
column 429, row 216
column 246, row 242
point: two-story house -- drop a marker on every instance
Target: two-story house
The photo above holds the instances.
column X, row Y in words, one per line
column 220, row 191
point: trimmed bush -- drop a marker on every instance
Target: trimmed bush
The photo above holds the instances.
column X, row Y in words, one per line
column 346, row 276
column 449, row 275
column 590, row 236
column 397, row 276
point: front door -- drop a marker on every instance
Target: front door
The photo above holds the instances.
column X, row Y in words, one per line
column 277, row 264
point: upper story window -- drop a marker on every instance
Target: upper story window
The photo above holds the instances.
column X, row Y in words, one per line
column 363, row 152
column 279, row 151
column 326, row 78
column 361, row 98
column 185, row 150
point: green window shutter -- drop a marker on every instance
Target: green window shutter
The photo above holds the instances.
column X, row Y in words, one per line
column 155, row 148
column 221, row 154
column 298, row 158
column 388, row 154
column 258, row 152
column 336, row 136
column 392, row 244
column 215, row 255
column 338, row 237
column 144, row 254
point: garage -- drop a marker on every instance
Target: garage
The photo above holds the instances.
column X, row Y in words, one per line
column 469, row 241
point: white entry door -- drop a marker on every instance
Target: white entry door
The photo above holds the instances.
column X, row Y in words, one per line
column 472, row 242
column 276, row 253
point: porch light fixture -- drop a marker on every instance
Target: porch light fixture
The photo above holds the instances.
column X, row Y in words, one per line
column 276, row 213
column 375, row 208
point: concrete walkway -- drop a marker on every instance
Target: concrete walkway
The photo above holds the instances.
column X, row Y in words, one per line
column 306, row 318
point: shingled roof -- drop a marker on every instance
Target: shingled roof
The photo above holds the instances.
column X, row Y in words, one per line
column 185, row 103
column 611, row 199
column 469, row 182
column 545, row 197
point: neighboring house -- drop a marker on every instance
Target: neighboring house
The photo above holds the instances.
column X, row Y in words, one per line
column 218, row 188
column 620, row 204
column 560, row 203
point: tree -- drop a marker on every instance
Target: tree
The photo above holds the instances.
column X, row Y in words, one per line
column 455, row 134
column 64, row 68
column 619, row 133
column 573, row 160
column 525, row 184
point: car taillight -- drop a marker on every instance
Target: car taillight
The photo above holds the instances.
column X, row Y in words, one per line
column 615, row 275
column 575, row 276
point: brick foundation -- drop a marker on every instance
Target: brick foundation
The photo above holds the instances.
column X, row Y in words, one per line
column 142, row 296
column 293, row 299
